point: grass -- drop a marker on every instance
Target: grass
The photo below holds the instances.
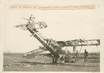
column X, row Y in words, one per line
column 16, row 62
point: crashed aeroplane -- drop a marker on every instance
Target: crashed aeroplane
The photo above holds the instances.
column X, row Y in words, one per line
column 53, row 47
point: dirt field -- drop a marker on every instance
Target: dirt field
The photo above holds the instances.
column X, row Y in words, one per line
column 16, row 62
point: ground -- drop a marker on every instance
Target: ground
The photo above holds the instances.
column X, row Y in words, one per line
column 16, row 62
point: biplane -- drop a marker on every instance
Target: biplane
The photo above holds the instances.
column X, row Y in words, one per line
column 54, row 48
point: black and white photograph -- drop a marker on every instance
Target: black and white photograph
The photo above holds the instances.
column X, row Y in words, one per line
column 52, row 36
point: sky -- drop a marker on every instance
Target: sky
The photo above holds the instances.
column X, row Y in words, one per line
column 62, row 25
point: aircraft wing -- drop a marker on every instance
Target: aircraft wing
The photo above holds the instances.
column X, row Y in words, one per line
column 79, row 42
column 35, row 52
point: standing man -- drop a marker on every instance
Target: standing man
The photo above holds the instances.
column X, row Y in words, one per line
column 76, row 56
column 85, row 55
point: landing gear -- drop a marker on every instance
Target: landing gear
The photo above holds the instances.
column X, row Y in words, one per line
column 62, row 59
column 55, row 59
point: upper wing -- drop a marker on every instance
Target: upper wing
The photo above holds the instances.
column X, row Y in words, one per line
column 79, row 42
